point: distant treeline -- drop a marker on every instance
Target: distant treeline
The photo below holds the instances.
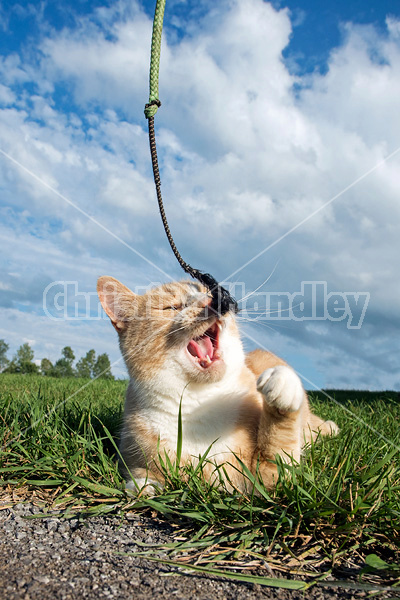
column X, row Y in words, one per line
column 88, row 366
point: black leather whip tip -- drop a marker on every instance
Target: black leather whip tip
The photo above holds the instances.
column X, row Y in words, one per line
column 222, row 301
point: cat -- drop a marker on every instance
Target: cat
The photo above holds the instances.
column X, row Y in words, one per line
column 247, row 407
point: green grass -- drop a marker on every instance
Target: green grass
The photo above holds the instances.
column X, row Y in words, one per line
column 340, row 506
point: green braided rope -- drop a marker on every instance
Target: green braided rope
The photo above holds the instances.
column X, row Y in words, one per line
column 154, row 102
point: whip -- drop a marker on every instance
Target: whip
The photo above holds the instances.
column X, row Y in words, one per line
column 222, row 301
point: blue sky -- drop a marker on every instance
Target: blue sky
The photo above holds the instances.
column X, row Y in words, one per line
column 318, row 27
column 278, row 139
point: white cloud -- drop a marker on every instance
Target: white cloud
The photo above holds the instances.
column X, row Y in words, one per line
column 393, row 26
column 244, row 158
column 7, row 97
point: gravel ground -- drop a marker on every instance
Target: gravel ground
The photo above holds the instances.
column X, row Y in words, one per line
column 62, row 559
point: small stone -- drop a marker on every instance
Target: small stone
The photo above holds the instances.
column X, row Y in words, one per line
column 42, row 578
column 52, row 525
column 20, row 520
column 82, row 579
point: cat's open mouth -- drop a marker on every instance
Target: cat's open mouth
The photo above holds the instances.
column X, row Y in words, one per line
column 204, row 349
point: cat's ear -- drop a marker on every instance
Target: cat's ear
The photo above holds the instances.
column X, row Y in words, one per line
column 118, row 301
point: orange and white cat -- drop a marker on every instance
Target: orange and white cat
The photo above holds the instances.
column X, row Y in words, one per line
column 248, row 406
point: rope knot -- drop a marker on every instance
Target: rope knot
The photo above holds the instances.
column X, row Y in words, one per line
column 151, row 108
column 222, row 301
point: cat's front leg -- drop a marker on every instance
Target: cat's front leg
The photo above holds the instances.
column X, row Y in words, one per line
column 282, row 389
column 280, row 427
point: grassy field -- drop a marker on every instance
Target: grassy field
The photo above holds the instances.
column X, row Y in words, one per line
column 338, row 511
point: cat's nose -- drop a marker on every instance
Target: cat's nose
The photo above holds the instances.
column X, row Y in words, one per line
column 202, row 300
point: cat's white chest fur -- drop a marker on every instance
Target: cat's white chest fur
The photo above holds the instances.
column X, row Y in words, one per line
column 209, row 414
column 207, row 418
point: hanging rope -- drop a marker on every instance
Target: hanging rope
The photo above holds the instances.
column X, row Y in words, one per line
column 222, row 301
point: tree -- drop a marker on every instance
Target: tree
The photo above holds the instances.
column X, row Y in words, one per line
column 46, row 366
column 22, row 362
column 68, row 354
column 24, row 354
column 29, row 368
column 4, row 362
column 102, row 368
column 85, row 365
column 63, row 366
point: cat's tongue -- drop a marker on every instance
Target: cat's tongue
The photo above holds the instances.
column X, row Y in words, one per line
column 201, row 347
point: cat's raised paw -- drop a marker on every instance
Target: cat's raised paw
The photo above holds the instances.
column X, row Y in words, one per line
column 281, row 388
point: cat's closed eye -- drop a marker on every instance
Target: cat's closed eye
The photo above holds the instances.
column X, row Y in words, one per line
column 174, row 307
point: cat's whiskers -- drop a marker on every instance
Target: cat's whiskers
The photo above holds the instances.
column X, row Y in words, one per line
column 267, row 313
column 276, row 325
column 260, row 286
column 253, row 322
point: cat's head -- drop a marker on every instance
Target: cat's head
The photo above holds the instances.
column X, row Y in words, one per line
column 172, row 327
